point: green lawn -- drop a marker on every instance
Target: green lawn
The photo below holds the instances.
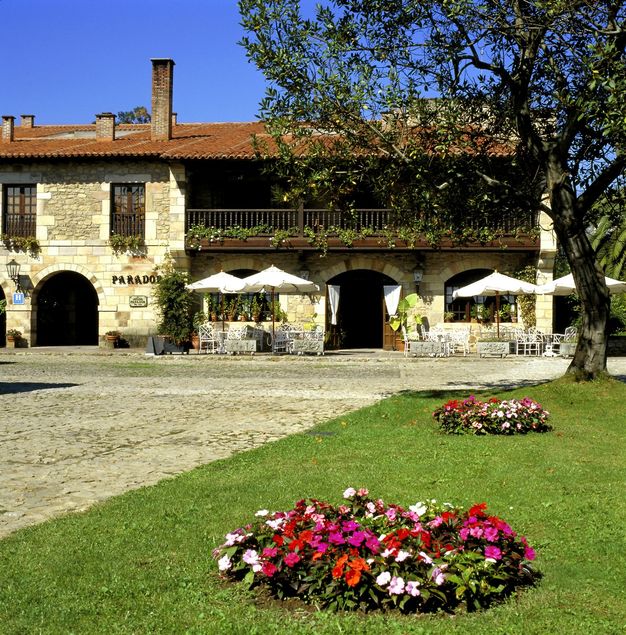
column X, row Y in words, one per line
column 141, row 563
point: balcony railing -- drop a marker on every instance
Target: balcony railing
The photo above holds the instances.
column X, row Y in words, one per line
column 302, row 223
column 22, row 225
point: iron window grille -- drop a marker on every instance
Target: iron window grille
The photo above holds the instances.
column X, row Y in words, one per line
column 128, row 215
column 19, row 210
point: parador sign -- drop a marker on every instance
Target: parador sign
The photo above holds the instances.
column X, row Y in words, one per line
column 128, row 280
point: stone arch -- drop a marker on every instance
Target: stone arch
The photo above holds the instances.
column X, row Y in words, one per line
column 372, row 263
column 65, row 304
column 41, row 276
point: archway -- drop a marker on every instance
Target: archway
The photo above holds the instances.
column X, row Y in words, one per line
column 3, row 319
column 361, row 312
column 67, row 311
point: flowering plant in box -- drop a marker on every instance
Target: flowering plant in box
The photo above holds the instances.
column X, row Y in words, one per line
column 367, row 554
column 494, row 416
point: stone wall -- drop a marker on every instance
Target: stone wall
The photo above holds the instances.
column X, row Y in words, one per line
column 73, row 221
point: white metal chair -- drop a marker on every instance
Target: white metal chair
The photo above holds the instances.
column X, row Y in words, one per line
column 208, row 340
column 528, row 343
column 458, row 340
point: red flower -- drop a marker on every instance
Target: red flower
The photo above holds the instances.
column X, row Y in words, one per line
column 278, row 539
column 478, row 510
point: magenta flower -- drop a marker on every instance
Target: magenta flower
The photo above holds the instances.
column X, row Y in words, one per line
column 291, row 559
column 491, row 533
column 529, row 553
column 336, row 538
column 356, row 539
column 493, row 552
column 269, row 569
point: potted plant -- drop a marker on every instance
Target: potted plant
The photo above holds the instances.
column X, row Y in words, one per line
column 230, row 308
column 405, row 319
column 174, row 304
column 112, row 338
column 13, row 337
column 256, row 308
column 448, row 316
column 199, row 318
column 505, row 313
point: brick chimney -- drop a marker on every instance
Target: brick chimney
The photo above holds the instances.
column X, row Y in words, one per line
column 105, row 127
column 162, row 87
column 28, row 121
column 8, row 131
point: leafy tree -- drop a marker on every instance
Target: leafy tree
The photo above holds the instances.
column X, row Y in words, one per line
column 538, row 81
column 139, row 114
column 609, row 236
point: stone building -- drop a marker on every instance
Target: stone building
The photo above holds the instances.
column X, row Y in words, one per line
column 108, row 203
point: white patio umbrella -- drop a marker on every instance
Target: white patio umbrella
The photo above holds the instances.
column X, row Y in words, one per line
column 221, row 283
column 493, row 285
column 566, row 285
column 272, row 280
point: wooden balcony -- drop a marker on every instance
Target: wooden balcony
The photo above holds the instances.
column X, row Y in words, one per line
column 328, row 230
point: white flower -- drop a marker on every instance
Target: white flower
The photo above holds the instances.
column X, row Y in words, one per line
column 426, row 558
column 262, row 512
column 349, row 493
column 402, row 555
column 224, row 563
column 383, row 578
column 419, row 508
column 275, row 524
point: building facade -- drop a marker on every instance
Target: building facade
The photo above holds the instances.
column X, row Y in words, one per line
column 90, row 212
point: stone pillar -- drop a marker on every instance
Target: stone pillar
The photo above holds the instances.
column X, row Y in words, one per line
column 544, row 307
column 8, row 128
column 105, row 127
column 27, row 121
column 162, row 91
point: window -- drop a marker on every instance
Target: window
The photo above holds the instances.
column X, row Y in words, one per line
column 19, row 210
column 128, row 210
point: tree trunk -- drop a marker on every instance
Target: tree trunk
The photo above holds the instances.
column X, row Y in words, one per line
column 589, row 360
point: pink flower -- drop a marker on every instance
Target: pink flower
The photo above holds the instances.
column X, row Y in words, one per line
column 291, row 559
column 270, row 552
column 396, row 587
column 250, row 556
column 349, row 493
column 491, row 533
column 493, row 552
column 362, row 492
column 438, row 576
column 412, row 588
column 269, row 569
column 529, row 553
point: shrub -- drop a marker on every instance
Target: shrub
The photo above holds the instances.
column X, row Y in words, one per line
column 492, row 417
column 369, row 555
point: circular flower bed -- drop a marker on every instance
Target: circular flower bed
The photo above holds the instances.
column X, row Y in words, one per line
column 367, row 554
column 492, row 417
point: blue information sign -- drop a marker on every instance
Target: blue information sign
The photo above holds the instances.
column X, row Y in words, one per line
column 18, row 298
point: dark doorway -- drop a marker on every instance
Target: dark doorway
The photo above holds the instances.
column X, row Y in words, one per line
column 3, row 320
column 360, row 317
column 67, row 311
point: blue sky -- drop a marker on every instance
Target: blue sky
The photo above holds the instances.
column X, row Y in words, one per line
column 67, row 60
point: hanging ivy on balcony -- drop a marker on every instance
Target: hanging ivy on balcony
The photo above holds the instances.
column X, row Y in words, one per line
column 27, row 244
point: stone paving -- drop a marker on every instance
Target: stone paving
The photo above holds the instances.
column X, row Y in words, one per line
column 80, row 425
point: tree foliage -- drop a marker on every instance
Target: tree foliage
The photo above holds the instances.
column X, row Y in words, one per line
column 139, row 114
column 540, row 82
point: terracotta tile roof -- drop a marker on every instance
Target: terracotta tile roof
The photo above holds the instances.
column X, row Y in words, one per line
column 189, row 141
